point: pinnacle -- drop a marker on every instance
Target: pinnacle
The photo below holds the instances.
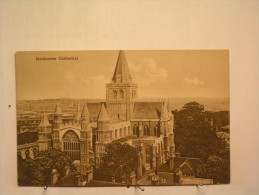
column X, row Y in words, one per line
column 103, row 115
column 121, row 73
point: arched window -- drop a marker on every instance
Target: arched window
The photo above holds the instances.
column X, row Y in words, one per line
column 114, row 94
column 125, row 129
column 135, row 130
column 146, row 130
column 116, row 134
column 121, row 94
column 129, row 130
column 156, row 131
column 27, row 154
column 71, row 145
column 35, row 152
column 120, row 132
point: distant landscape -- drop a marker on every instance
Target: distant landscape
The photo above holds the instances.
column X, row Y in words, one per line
column 68, row 104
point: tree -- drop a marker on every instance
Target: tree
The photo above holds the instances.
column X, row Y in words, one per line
column 193, row 134
column 37, row 171
column 195, row 137
column 215, row 168
column 119, row 161
column 220, row 119
column 193, row 108
column 29, row 173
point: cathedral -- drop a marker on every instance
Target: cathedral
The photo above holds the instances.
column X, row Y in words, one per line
column 147, row 126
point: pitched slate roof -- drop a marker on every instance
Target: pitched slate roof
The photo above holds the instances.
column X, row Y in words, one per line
column 103, row 115
column 193, row 162
column 44, row 121
column 178, row 161
column 147, row 110
column 94, row 109
column 121, row 73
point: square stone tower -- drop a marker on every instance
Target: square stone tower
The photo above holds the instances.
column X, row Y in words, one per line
column 121, row 93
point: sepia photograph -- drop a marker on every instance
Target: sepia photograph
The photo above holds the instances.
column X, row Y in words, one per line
column 123, row 117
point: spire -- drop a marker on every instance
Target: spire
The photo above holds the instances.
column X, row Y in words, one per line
column 85, row 113
column 58, row 109
column 121, row 73
column 164, row 111
column 78, row 114
column 44, row 121
column 103, row 115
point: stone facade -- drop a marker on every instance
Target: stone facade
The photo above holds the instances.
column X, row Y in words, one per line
column 147, row 126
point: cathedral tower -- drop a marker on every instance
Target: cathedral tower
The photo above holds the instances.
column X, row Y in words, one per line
column 44, row 134
column 103, row 123
column 121, row 93
column 103, row 134
column 85, row 144
column 57, row 122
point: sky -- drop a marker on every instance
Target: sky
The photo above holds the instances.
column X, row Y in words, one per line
column 159, row 74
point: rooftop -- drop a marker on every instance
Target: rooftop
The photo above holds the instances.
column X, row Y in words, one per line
column 178, row 161
column 121, row 72
column 147, row 110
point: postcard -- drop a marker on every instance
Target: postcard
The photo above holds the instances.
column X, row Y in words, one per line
column 123, row 118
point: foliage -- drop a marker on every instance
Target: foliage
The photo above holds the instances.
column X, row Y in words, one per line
column 193, row 134
column 29, row 173
column 37, row 171
column 220, row 119
column 119, row 161
column 216, row 168
column 195, row 137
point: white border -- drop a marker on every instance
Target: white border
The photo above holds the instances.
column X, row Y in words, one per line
column 135, row 24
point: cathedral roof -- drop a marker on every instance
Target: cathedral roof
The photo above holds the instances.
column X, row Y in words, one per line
column 147, row 110
column 44, row 121
column 103, row 115
column 94, row 109
column 121, row 73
